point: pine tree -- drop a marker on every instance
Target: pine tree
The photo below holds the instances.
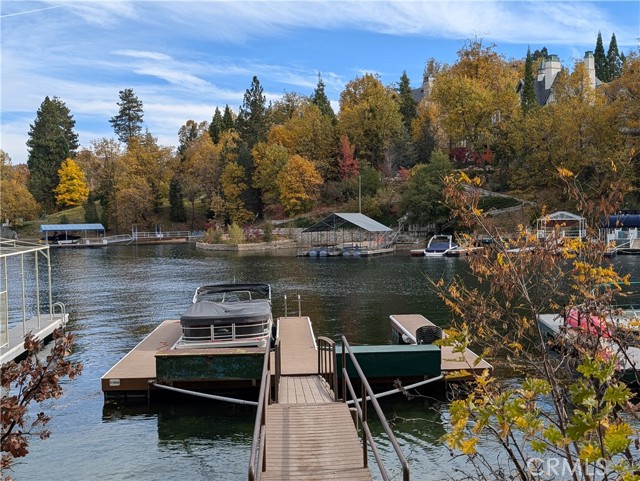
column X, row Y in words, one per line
column 128, row 122
column 51, row 141
column 613, row 59
column 601, row 63
column 528, row 97
column 90, row 210
column 177, row 212
column 408, row 104
column 319, row 98
column 252, row 119
column 228, row 122
column 216, row 126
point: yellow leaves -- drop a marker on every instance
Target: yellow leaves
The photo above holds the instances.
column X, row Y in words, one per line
column 565, row 173
column 72, row 189
column 468, row 446
column 299, row 184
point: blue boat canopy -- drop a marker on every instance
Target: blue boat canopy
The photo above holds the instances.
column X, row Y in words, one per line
column 622, row 221
column 70, row 227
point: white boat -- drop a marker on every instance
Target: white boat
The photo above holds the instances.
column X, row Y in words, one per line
column 228, row 315
column 439, row 245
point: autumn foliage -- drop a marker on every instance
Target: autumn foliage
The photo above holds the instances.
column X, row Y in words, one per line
column 32, row 380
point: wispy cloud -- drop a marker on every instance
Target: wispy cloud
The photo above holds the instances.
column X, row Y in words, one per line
column 184, row 58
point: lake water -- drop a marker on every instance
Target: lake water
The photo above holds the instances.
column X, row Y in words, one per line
column 117, row 295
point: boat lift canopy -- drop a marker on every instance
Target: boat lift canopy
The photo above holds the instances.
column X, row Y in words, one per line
column 347, row 221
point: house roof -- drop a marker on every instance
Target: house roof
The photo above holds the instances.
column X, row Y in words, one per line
column 70, row 227
column 347, row 221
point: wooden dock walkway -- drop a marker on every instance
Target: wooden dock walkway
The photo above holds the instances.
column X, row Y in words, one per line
column 309, row 436
column 452, row 362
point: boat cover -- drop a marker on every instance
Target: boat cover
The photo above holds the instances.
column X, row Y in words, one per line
column 262, row 289
column 221, row 313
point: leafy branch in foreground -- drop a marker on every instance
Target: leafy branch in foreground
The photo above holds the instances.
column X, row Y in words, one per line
column 570, row 414
column 32, row 379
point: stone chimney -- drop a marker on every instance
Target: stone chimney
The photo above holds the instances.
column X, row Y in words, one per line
column 552, row 68
column 590, row 65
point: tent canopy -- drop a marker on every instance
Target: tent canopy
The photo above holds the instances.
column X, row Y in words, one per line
column 70, row 227
column 347, row 221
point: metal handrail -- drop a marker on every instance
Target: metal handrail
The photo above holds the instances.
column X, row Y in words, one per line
column 327, row 363
column 257, row 459
column 286, row 312
column 362, row 414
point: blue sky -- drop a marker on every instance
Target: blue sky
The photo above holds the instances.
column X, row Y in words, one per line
column 184, row 58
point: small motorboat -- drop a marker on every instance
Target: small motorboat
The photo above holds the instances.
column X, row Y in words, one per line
column 228, row 315
column 439, row 245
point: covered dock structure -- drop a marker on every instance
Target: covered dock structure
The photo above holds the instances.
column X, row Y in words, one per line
column 562, row 224
column 622, row 231
column 73, row 234
column 346, row 234
column 26, row 302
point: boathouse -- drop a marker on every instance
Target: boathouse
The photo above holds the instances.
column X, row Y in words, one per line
column 344, row 234
column 72, row 234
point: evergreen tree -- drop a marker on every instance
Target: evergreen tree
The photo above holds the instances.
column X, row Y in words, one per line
column 177, row 212
column 216, row 126
column 601, row 63
column 407, row 103
column 90, row 210
column 528, row 96
column 613, row 59
column 252, row 119
column 128, row 122
column 51, row 141
column 227, row 119
column 319, row 98
column 539, row 54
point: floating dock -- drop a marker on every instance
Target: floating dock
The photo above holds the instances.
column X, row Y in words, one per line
column 42, row 328
column 453, row 364
column 153, row 361
column 240, row 368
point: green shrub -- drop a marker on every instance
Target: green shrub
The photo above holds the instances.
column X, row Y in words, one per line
column 236, row 234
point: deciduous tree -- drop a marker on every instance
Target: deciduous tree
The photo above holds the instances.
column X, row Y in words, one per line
column 35, row 379
column 370, row 117
column 72, row 189
column 233, row 188
column 299, row 184
column 16, row 202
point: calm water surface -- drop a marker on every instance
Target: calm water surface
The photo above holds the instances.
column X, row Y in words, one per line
column 117, row 295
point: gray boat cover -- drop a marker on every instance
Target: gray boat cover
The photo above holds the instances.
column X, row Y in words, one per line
column 262, row 289
column 220, row 313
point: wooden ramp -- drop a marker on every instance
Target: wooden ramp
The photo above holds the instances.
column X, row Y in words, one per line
column 407, row 324
column 309, row 436
column 313, row 442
